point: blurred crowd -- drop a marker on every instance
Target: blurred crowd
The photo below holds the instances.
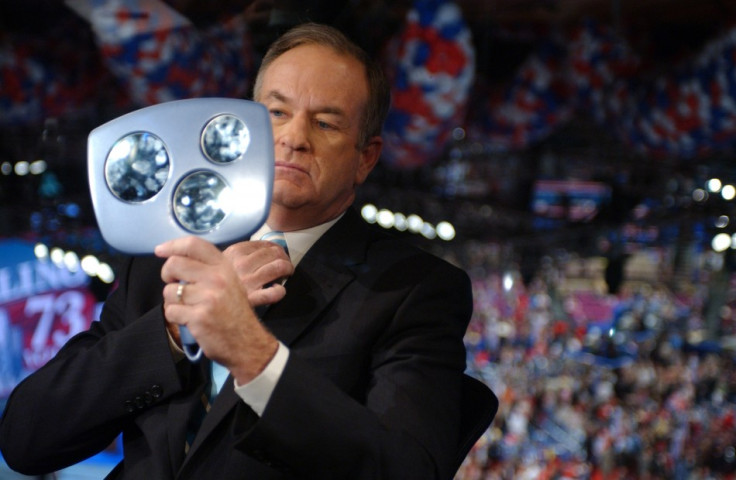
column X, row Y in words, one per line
column 594, row 385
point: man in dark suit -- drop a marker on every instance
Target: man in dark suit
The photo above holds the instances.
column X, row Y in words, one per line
column 353, row 371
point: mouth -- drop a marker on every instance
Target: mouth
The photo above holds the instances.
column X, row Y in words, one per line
column 287, row 166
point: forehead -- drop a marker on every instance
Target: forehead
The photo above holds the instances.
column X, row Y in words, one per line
column 317, row 72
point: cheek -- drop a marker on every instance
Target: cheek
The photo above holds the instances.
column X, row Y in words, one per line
column 337, row 170
column 334, row 166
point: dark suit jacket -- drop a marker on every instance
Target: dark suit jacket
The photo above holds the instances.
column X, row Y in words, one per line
column 371, row 388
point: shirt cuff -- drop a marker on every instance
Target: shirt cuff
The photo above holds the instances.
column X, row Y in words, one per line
column 176, row 350
column 257, row 392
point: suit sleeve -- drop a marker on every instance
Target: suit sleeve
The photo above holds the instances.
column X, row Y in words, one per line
column 405, row 425
column 76, row 404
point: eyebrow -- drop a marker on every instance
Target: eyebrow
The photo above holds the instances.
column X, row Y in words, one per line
column 280, row 97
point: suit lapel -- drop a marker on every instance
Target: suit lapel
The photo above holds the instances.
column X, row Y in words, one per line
column 225, row 401
column 182, row 409
column 312, row 287
column 323, row 272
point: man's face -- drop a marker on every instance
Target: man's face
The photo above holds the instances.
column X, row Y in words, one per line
column 316, row 98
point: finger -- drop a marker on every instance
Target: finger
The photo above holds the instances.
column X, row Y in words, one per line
column 273, row 248
column 175, row 314
column 256, row 249
column 177, row 293
column 266, row 296
column 259, row 263
column 191, row 247
column 274, row 271
column 177, row 269
column 252, row 255
column 189, row 265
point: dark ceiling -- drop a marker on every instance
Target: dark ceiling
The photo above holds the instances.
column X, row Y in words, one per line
column 491, row 200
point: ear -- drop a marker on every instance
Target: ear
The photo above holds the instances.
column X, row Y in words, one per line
column 368, row 158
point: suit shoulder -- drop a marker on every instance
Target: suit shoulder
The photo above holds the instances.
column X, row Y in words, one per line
column 386, row 245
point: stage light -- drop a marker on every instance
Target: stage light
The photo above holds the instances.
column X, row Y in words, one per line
column 400, row 222
column 137, row 167
column 225, row 139
column 385, row 218
column 428, row 231
column 445, row 231
column 415, row 223
column 90, row 264
column 22, row 168
column 508, row 281
column 57, row 256
column 199, row 201
column 700, row 195
column 41, row 251
column 38, row 167
column 71, row 261
column 200, row 166
column 713, row 185
column 721, row 242
column 728, row 192
column 105, row 273
column 369, row 212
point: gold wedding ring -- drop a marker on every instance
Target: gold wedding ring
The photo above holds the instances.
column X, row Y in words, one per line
column 180, row 291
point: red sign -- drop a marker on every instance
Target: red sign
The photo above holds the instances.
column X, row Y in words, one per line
column 41, row 307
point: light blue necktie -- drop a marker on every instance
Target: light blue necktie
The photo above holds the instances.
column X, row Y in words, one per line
column 278, row 238
column 220, row 373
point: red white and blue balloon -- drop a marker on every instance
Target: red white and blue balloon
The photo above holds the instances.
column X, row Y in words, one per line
column 431, row 65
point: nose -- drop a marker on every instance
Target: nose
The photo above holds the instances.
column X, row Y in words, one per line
column 294, row 133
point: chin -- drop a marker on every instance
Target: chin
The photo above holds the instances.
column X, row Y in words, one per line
column 287, row 200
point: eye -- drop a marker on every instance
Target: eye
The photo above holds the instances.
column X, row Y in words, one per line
column 277, row 113
column 324, row 125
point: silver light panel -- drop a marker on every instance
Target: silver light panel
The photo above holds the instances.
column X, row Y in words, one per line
column 188, row 167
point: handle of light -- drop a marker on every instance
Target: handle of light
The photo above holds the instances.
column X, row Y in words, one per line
column 189, row 344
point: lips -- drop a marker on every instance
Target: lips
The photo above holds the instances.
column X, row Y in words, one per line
column 289, row 166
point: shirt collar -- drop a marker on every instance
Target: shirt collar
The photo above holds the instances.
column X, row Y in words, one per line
column 299, row 241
